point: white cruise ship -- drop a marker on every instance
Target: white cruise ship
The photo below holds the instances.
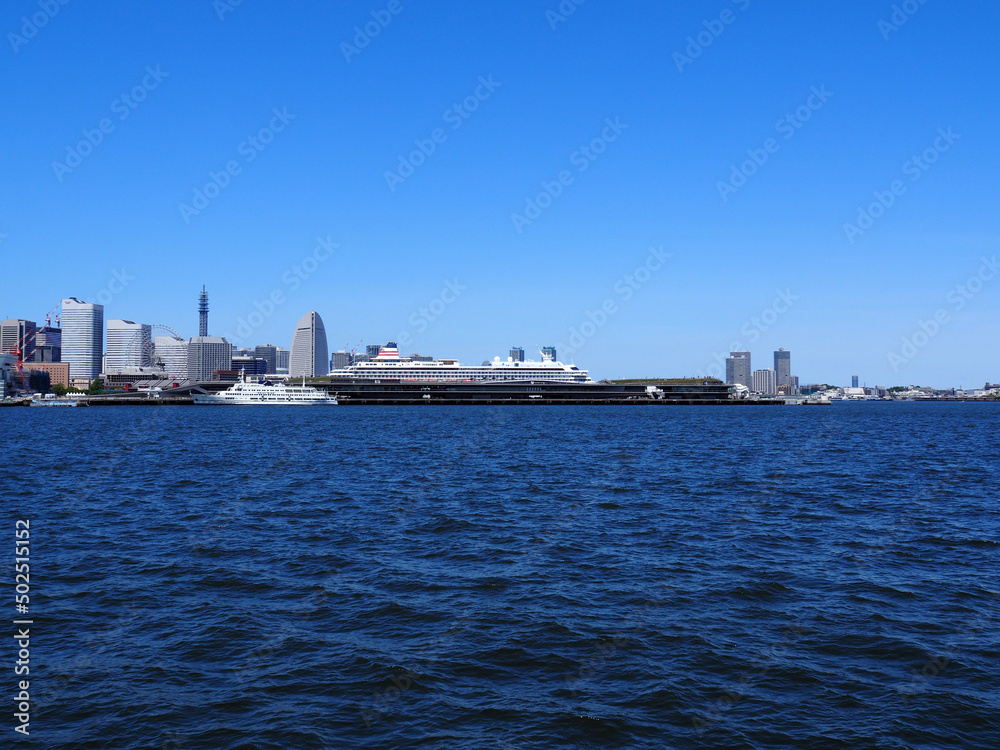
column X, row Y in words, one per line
column 388, row 365
column 266, row 393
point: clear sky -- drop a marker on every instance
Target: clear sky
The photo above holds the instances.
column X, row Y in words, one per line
column 635, row 128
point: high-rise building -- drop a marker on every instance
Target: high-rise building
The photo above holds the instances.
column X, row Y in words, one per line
column 372, row 350
column 130, row 344
column 549, row 353
column 793, row 383
column 48, row 345
column 172, row 353
column 517, row 354
column 206, row 354
column 339, row 360
column 738, row 369
column 270, row 355
column 309, row 354
column 203, row 312
column 765, row 382
column 281, row 361
column 82, row 337
column 854, row 381
column 250, row 365
column 783, row 366
column 16, row 333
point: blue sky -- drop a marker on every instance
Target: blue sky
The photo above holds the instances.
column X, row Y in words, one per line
column 438, row 257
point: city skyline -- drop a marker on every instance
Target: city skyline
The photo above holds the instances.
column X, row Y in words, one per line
column 289, row 207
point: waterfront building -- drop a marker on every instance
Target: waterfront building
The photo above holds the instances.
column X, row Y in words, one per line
column 372, row 350
column 82, row 337
column 58, row 371
column 738, row 369
column 854, row 381
column 309, row 355
column 339, row 360
column 16, row 333
column 783, row 367
column 270, row 355
column 765, row 382
column 281, row 361
column 794, row 385
column 130, row 344
column 206, row 354
column 171, row 353
column 250, row 365
column 517, row 354
column 48, row 345
column 548, row 354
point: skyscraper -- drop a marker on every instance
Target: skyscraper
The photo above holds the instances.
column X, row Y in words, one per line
column 309, row 355
column 82, row 337
column 172, row 352
column 738, row 369
column 48, row 345
column 549, row 353
column 517, row 354
column 206, row 354
column 339, row 360
column 764, row 382
column 16, row 333
column 129, row 345
column 203, row 312
column 372, row 350
column 783, row 367
column 281, row 360
column 854, row 381
column 270, row 355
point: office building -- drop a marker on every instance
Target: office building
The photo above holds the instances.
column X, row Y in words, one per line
column 48, row 345
column 16, row 333
column 765, row 382
column 783, row 367
column 281, row 360
column 339, row 360
column 250, row 365
column 372, row 350
column 309, row 354
column 58, row 371
column 517, row 354
column 130, row 344
column 82, row 338
column 738, row 369
column 548, row 354
column 206, row 354
column 171, row 353
column 854, row 381
column 270, row 355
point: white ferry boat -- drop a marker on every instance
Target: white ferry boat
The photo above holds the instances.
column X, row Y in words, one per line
column 388, row 365
column 266, row 393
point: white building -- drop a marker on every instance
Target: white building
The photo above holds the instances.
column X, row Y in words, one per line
column 82, row 337
column 309, row 355
column 172, row 352
column 765, row 382
column 129, row 345
column 205, row 354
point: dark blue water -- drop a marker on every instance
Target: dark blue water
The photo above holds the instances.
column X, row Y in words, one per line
column 510, row 577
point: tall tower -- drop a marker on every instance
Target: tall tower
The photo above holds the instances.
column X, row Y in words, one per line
column 783, row 367
column 203, row 312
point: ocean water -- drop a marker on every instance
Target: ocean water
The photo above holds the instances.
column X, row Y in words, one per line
column 510, row 577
